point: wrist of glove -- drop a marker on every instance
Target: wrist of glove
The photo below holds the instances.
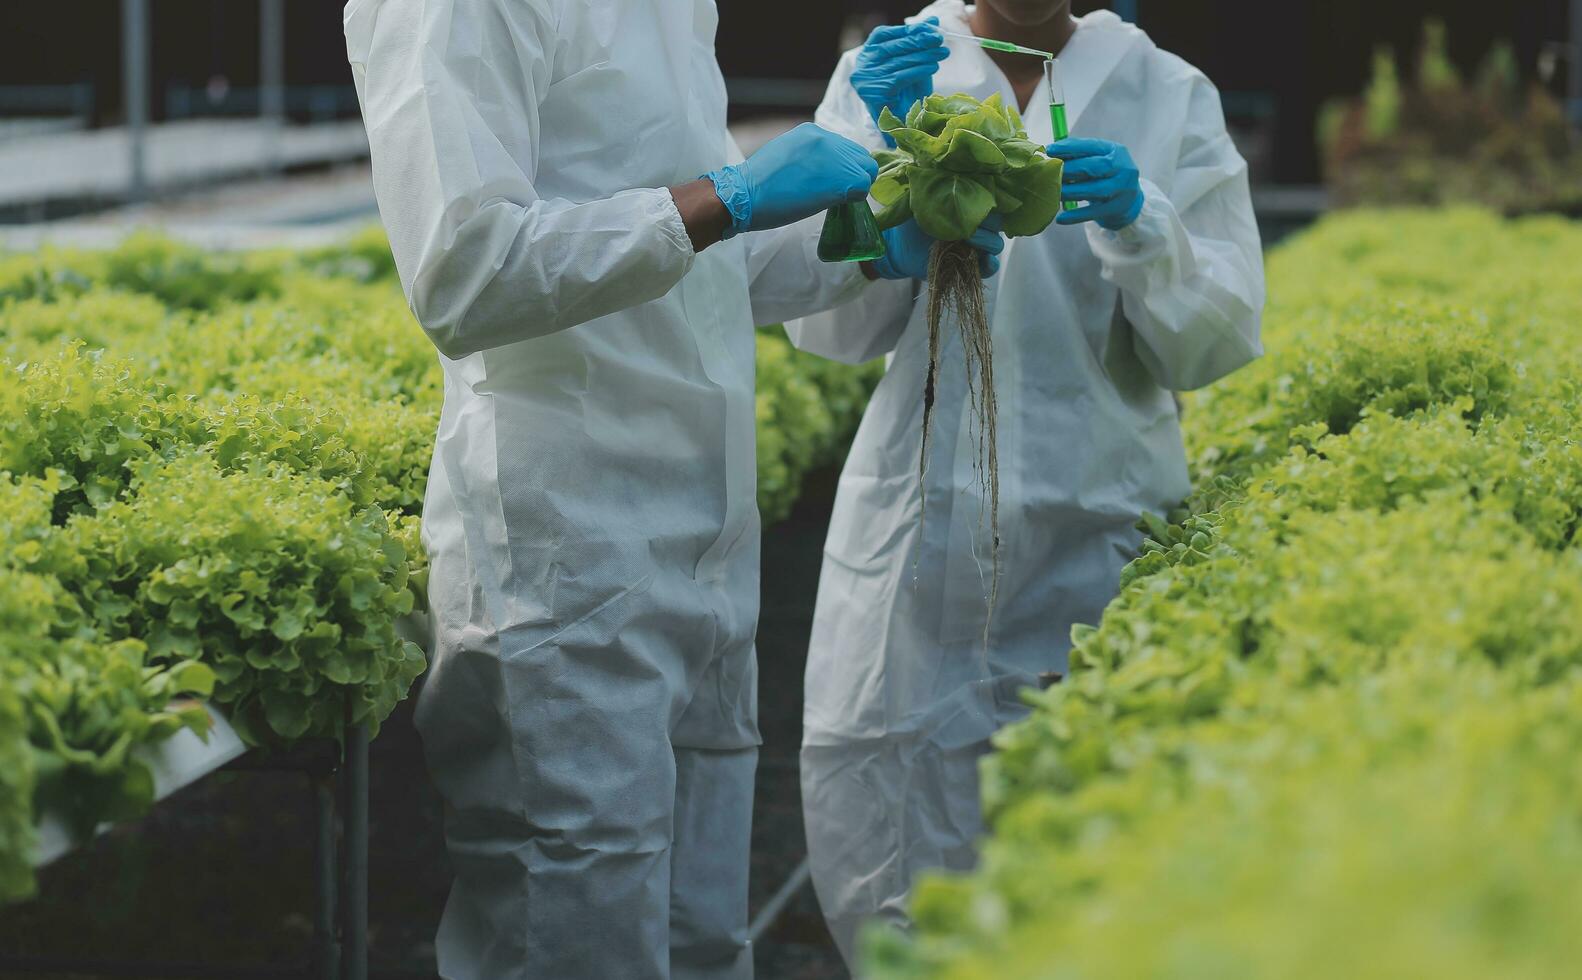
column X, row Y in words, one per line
column 731, row 188
column 791, row 177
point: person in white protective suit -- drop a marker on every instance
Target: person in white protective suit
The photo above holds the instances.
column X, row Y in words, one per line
column 1155, row 286
column 591, row 522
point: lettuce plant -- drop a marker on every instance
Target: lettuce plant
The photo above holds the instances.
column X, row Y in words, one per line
column 957, row 163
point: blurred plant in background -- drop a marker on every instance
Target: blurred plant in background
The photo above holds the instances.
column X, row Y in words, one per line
column 1441, row 139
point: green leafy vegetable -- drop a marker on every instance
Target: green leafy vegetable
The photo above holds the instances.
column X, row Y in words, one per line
column 957, row 162
column 1340, row 690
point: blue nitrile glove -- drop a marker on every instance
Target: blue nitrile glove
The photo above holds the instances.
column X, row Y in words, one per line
column 1103, row 174
column 792, row 176
column 906, row 248
column 896, row 66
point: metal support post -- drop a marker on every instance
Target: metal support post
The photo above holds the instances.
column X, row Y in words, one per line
column 770, row 913
column 272, row 75
column 1574, row 68
column 134, row 77
column 326, row 874
column 354, row 811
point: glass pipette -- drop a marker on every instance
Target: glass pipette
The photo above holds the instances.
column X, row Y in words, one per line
column 1057, row 110
column 993, row 45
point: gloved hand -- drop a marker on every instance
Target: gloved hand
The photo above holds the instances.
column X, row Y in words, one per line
column 906, row 248
column 792, row 176
column 896, row 66
column 1103, row 174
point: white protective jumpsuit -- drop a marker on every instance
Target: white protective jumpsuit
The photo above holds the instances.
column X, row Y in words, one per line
column 1092, row 332
column 590, row 717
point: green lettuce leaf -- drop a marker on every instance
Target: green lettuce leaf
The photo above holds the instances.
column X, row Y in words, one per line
column 957, row 161
column 1038, row 186
column 950, row 206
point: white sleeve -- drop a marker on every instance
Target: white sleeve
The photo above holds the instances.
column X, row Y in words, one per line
column 1190, row 269
column 450, row 91
column 843, row 112
column 870, row 324
column 787, row 279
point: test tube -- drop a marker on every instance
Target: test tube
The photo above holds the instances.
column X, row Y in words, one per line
column 1057, row 99
column 1057, row 109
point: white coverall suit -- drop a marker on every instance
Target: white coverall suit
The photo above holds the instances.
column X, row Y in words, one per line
column 590, row 717
column 1092, row 332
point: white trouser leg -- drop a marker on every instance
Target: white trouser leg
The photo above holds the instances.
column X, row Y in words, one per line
column 878, row 814
column 709, row 864
column 559, row 785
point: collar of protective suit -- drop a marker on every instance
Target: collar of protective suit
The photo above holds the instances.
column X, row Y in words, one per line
column 1101, row 40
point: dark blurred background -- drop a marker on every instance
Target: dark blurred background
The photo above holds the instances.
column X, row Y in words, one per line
column 248, row 135
column 1276, row 63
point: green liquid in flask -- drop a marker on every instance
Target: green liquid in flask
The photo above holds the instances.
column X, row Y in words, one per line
column 850, row 234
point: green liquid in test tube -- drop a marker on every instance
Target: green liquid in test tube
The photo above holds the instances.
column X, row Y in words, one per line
column 1057, row 120
column 1057, row 110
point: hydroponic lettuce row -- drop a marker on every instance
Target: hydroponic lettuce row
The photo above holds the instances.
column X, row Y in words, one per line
column 1330, row 727
column 211, row 467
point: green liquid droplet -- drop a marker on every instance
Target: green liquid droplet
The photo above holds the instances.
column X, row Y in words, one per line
column 850, row 234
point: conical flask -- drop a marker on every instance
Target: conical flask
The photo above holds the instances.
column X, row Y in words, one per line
column 850, row 234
